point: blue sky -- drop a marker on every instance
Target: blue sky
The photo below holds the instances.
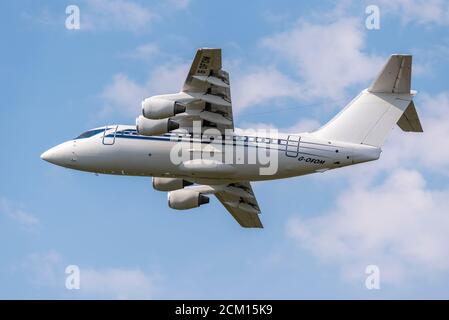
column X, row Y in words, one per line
column 293, row 65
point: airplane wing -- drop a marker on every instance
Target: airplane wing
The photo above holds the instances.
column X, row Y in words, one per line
column 240, row 201
column 207, row 97
column 209, row 83
column 238, row 198
column 205, row 93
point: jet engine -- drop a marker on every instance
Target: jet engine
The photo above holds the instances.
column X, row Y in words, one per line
column 186, row 199
column 149, row 127
column 158, row 108
column 169, row 184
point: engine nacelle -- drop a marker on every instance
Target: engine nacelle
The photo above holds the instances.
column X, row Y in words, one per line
column 149, row 127
column 169, row 184
column 186, row 199
column 159, row 108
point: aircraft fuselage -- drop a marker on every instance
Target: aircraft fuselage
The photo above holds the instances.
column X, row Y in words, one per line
column 120, row 150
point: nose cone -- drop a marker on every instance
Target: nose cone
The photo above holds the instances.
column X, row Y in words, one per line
column 47, row 155
column 61, row 155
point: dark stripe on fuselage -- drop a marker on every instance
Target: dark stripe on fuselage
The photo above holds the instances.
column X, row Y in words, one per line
column 167, row 137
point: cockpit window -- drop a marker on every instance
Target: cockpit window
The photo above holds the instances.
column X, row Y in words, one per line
column 89, row 133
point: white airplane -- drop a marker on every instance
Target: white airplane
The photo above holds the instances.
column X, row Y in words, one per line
column 213, row 156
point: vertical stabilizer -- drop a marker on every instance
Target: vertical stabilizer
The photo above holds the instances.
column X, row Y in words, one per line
column 369, row 118
column 395, row 76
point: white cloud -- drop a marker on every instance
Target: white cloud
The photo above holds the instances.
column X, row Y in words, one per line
column 48, row 269
column 389, row 215
column 323, row 59
column 20, row 216
column 116, row 15
column 180, row 4
column 418, row 11
column 429, row 60
column 303, row 125
column 399, row 225
column 329, row 58
column 260, row 84
column 125, row 95
column 144, row 52
column 168, row 78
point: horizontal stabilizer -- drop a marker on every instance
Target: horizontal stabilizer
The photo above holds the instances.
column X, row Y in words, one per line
column 409, row 120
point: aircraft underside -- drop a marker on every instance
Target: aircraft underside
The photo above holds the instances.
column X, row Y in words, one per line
column 187, row 141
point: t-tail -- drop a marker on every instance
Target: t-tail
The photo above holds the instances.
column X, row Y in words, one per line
column 369, row 118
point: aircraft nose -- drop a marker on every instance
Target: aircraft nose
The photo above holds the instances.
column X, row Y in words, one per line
column 47, row 155
column 60, row 155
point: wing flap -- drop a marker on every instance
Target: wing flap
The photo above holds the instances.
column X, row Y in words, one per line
column 215, row 117
column 213, row 80
column 240, row 201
